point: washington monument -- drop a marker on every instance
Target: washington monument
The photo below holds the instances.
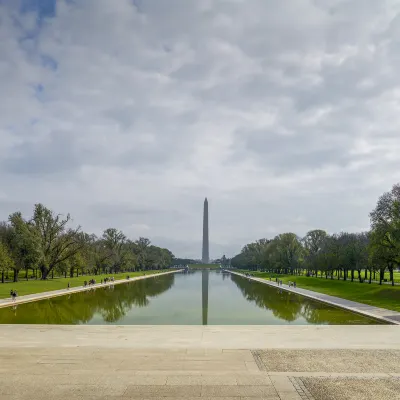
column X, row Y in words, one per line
column 205, row 254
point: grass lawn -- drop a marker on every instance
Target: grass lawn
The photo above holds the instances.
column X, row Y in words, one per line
column 33, row 286
column 384, row 296
column 396, row 276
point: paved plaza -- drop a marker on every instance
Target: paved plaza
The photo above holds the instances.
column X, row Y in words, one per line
column 210, row 362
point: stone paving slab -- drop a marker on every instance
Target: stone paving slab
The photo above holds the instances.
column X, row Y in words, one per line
column 94, row 373
column 203, row 380
column 239, row 391
column 382, row 314
column 62, row 292
column 352, row 388
column 184, row 338
column 348, row 361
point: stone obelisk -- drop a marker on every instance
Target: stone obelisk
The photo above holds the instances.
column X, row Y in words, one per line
column 205, row 254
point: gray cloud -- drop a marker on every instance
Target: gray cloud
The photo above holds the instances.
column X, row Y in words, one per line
column 146, row 107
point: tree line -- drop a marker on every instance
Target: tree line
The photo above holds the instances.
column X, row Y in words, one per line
column 46, row 244
column 345, row 255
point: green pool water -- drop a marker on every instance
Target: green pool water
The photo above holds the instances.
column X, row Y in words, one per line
column 194, row 298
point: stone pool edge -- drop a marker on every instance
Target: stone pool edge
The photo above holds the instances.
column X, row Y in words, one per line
column 372, row 313
column 29, row 298
column 239, row 337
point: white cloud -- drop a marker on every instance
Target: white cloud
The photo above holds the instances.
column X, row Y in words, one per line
column 128, row 113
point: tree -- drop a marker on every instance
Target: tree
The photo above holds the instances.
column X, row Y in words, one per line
column 332, row 250
column 101, row 254
column 314, row 242
column 385, row 224
column 23, row 244
column 166, row 258
column 55, row 242
column 6, row 262
column 141, row 251
column 376, row 259
column 353, row 253
column 116, row 243
column 239, row 261
column 289, row 250
column 76, row 263
column 254, row 254
column 47, row 242
column 359, row 253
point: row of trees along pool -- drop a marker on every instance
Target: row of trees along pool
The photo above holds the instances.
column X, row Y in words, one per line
column 362, row 256
column 47, row 245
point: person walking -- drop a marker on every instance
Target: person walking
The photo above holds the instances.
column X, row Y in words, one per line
column 69, row 285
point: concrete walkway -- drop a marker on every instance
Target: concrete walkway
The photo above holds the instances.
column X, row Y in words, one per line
column 201, row 337
column 382, row 314
column 196, row 362
column 61, row 292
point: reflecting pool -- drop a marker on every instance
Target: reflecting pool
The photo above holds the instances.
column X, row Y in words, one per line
column 191, row 298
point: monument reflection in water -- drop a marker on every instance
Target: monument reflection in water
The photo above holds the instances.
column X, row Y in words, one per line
column 204, row 295
column 192, row 298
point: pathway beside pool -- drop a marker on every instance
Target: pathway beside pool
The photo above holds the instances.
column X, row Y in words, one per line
column 392, row 317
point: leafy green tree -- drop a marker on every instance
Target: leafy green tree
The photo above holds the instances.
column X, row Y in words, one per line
column 23, row 244
column 334, row 251
column 6, row 262
column 254, row 254
column 314, row 242
column 385, row 224
column 155, row 257
column 289, row 251
column 165, row 258
column 115, row 242
column 355, row 253
column 141, row 250
column 376, row 259
column 76, row 263
column 128, row 259
column 50, row 235
column 239, row 261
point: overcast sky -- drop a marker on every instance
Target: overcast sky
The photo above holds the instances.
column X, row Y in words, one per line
column 127, row 113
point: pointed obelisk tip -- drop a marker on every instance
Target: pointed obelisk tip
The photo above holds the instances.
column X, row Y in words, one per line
column 205, row 200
